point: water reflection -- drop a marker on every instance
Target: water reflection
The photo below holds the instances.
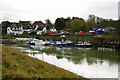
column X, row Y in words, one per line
column 88, row 62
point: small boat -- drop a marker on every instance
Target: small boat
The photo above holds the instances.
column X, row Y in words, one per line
column 63, row 43
column 83, row 44
column 57, row 43
column 36, row 42
column 47, row 43
column 69, row 43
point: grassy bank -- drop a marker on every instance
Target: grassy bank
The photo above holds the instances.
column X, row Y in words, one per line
column 16, row 64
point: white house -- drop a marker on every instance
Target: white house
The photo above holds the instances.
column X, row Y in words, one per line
column 36, row 27
column 15, row 30
column 44, row 30
column 53, row 30
column 39, row 33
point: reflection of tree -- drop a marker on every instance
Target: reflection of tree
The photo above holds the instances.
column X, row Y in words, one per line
column 77, row 60
column 92, row 56
column 110, row 56
column 77, row 55
column 89, row 61
column 59, row 57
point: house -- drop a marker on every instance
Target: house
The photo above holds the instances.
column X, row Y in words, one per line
column 15, row 30
column 109, row 29
column 53, row 30
column 5, row 24
column 40, row 25
column 27, row 26
column 44, row 29
column 36, row 27
column 39, row 33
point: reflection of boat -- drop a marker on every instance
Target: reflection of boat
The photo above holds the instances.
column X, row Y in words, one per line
column 39, row 47
column 81, row 48
column 105, row 49
column 47, row 43
column 36, row 42
column 67, row 48
column 83, row 44
column 97, row 61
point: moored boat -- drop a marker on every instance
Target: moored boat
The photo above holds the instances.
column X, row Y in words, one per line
column 57, row 43
column 36, row 42
column 83, row 44
column 63, row 43
column 69, row 43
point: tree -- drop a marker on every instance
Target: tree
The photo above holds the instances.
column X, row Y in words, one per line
column 118, row 27
column 48, row 22
column 60, row 23
column 90, row 24
column 68, row 23
column 75, row 18
column 4, row 26
column 92, row 17
column 77, row 24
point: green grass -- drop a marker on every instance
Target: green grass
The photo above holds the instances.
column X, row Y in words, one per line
column 16, row 64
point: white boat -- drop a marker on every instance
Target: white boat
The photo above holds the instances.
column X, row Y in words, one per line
column 57, row 43
column 36, row 42
column 69, row 43
column 63, row 43
column 83, row 44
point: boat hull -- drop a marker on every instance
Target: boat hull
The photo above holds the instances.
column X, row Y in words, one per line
column 61, row 45
column 83, row 45
column 31, row 43
column 47, row 44
column 70, row 44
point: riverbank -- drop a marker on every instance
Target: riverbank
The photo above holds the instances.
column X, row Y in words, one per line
column 16, row 64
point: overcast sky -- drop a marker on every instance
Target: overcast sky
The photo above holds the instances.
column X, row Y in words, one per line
column 34, row 10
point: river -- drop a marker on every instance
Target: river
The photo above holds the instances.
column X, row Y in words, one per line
column 87, row 62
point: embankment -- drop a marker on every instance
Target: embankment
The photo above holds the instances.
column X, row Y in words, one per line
column 16, row 64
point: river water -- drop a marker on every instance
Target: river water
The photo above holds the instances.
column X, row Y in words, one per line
column 87, row 62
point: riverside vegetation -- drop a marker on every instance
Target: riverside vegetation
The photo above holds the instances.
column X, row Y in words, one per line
column 16, row 64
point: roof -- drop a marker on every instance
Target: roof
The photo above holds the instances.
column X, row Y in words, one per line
column 24, row 22
column 109, row 28
column 38, row 22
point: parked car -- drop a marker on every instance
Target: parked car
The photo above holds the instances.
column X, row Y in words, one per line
column 82, row 32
